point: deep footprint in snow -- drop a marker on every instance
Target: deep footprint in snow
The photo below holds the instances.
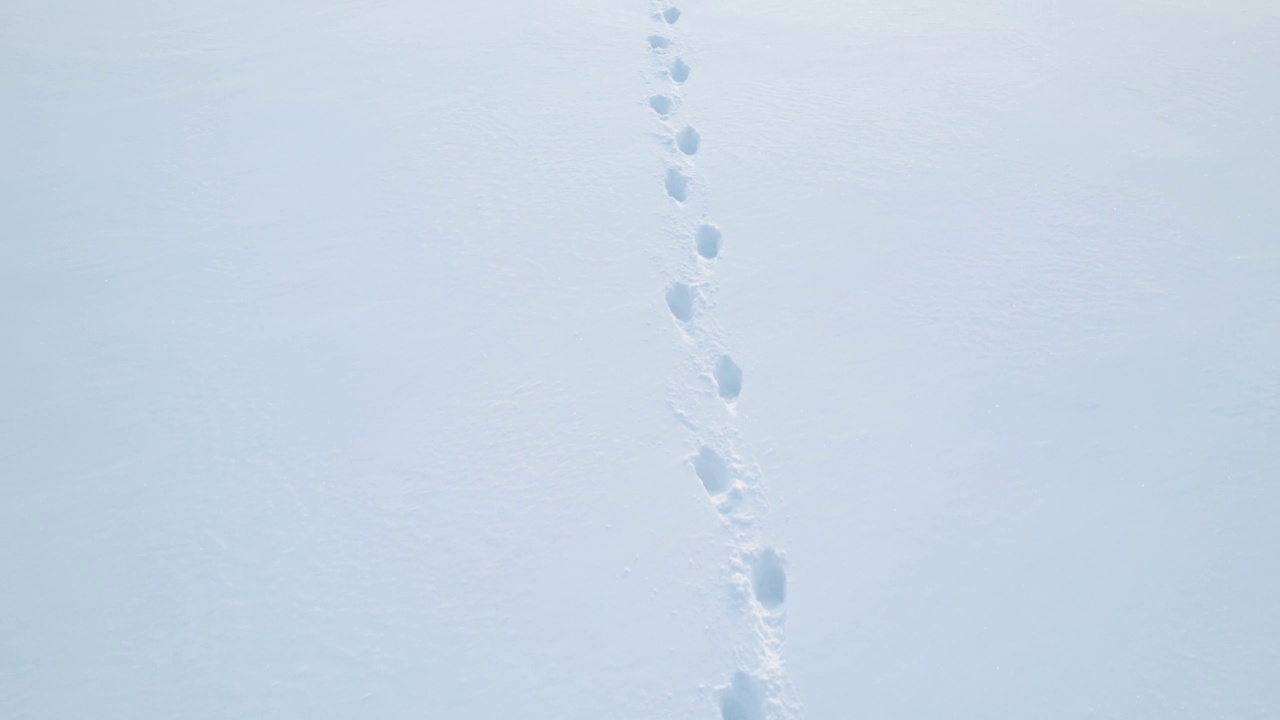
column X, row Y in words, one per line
column 657, row 42
column 688, row 140
column 712, row 470
column 677, row 185
column 671, row 15
column 769, row 578
column 679, row 70
column 661, row 104
column 708, row 239
column 743, row 699
column 680, row 298
column 728, row 378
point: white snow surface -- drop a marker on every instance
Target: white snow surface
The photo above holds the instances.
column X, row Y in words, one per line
column 728, row 360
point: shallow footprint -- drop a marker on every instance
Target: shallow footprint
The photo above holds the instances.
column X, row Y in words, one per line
column 671, row 15
column 769, row 578
column 728, row 378
column 677, row 185
column 743, row 699
column 657, row 42
column 712, row 470
column 708, row 240
column 688, row 140
column 680, row 298
column 679, row 70
column 661, row 104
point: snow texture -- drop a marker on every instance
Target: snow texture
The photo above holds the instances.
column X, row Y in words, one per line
column 725, row 361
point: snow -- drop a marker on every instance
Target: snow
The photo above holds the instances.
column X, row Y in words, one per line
column 745, row 361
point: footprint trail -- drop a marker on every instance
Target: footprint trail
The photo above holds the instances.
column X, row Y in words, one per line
column 706, row 404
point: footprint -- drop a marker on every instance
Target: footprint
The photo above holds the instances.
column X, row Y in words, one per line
column 769, row 578
column 661, row 104
column 677, row 185
column 671, row 15
column 657, row 42
column 680, row 299
column 688, row 140
column 679, row 70
column 743, row 699
column 728, row 378
column 708, row 239
column 712, row 470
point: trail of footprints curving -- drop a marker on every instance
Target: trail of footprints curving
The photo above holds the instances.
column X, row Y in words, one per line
column 758, row 689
